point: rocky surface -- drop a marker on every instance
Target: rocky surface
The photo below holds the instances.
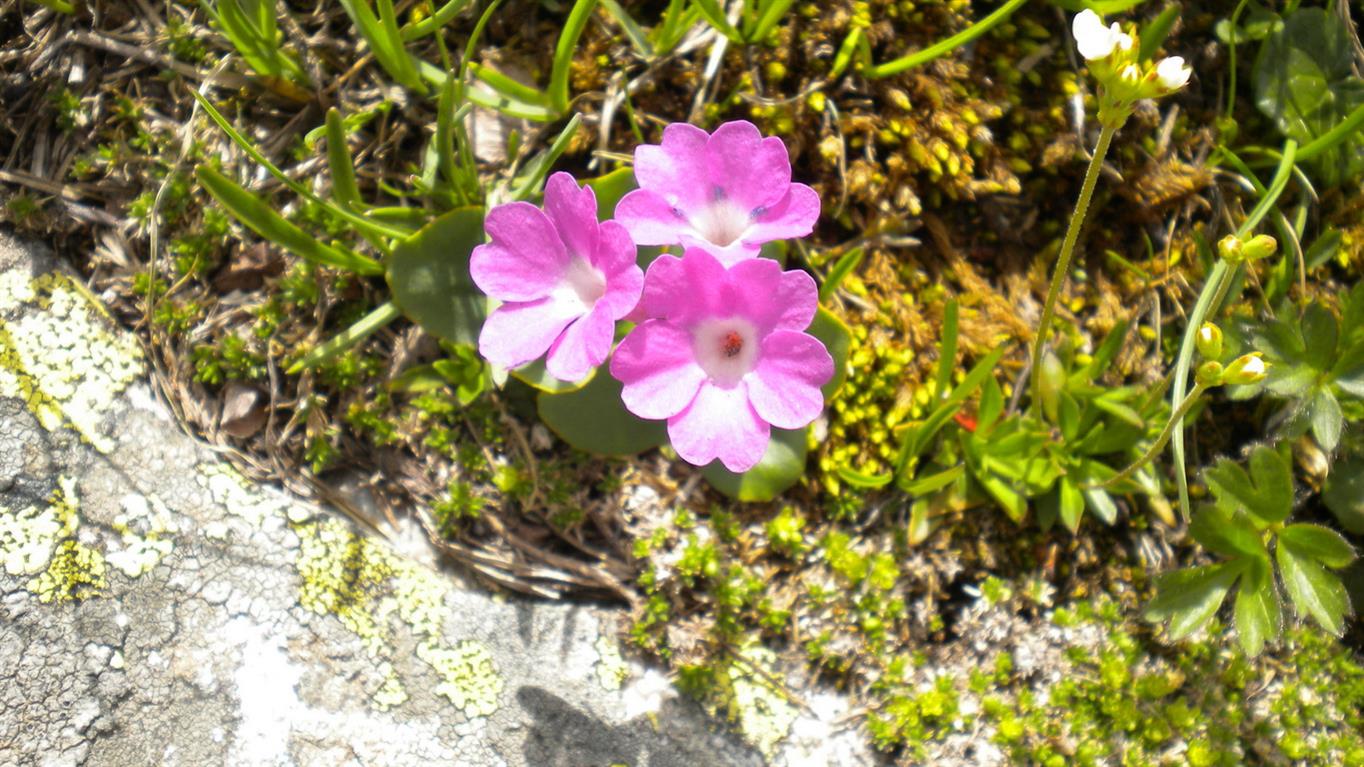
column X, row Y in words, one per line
column 156, row 608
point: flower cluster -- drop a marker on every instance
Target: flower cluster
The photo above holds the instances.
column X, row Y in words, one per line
column 1112, row 56
column 719, row 349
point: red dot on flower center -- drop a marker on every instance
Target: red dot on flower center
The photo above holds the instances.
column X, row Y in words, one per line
column 733, row 344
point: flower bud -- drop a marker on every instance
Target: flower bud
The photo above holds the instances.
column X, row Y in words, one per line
column 1209, row 374
column 1259, row 246
column 1209, row 341
column 1231, row 249
column 1246, row 369
column 1172, row 73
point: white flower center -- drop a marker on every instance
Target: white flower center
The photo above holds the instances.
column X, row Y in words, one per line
column 722, row 221
column 581, row 282
column 727, row 349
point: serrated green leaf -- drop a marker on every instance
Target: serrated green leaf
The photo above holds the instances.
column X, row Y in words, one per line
column 1268, row 496
column 1344, row 494
column 1314, row 591
column 1225, row 534
column 1259, row 615
column 1319, row 331
column 1316, row 542
column 781, row 467
column 1188, row 599
column 429, row 277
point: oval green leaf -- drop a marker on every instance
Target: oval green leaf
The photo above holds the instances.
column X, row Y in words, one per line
column 779, row 469
column 837, row 338
column 429, row 277
column 594, row 419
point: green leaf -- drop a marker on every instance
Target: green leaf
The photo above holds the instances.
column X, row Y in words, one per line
column 1316, row 542
column 348, row 338
column 844, row 266
column 1322, row 249
column 609, row 188
column 1327, row 419
column 837, row 338
column 564, row 50
column 1226, row 534
column 1304, row 82
column 536, row 375
column 1069, row 501
column 429, row 277
column 716, row 16
column 1153, row 34
column 862, row 480
column 1344, row 494
column 947, row 350
column 780, row 468
column 933, row 482
column 1314, row 591
column 1259, row 615
column 991, row 405
column 1269, row 497
column 594, row 419
column 263, row 220
column 1188, row 599
column 1319, row 333
column 338, row 160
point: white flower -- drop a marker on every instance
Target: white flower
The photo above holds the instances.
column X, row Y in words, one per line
column 1096, row 41
column 1172, row 73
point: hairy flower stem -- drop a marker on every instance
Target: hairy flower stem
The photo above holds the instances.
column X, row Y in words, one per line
column 1154, row 450
column 1077, row 220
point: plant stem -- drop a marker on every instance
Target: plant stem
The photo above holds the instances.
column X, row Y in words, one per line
column 1077, row 220
column 1155, row 448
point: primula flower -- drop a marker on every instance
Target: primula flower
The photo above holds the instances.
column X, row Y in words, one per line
column 723, row 357
column 563, row 279
column 1094, row 40
column 728, row 192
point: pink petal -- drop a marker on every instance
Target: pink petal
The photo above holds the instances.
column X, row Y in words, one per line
column 525, row 259
column 665, row 287
column 650, row 219
column 573, row 211
column 517, row 333
column 684, row 289
column 753, row 171
column 792, row 216
column 785, row 386
column 656, row 364
column 720, row 424
column 583, row 346
column 729, row 255
column 771, row 298
column 676, row 170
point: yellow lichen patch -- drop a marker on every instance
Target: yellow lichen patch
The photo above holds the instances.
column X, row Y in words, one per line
column 391, row 693
column 367, row 587
column 610, row 666
column 144, row 529
column 747, row 697
column 60, row 358
column 468, row 675
column 43, row 542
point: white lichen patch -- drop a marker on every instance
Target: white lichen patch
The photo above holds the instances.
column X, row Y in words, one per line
column 42, row 542
column 369, row 589
column 144, row 529
column 233, row 492
column 610, row 667
column 59, row 356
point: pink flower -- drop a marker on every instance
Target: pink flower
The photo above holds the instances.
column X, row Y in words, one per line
column 563, row 279
column 723, row 357
column 728, row 192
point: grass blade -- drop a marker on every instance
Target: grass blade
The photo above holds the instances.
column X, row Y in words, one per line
column 539, row 168
column 263, row 220
column 432, row 24
column 946, row 46
column 841, row 269
column 716, row 16
column 772, row 12
column 348, row 338
column 344, row 188
column 563, row 53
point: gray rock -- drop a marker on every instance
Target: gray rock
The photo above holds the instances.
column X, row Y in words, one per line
column 156, row 608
